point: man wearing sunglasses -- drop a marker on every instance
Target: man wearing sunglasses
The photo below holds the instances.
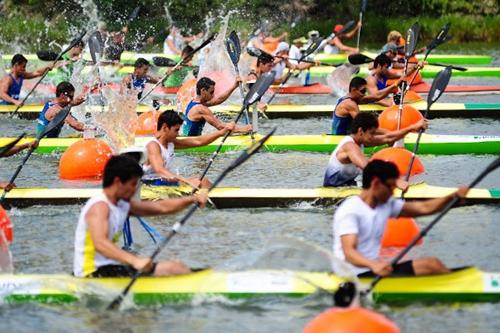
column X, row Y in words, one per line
column 359, row 224
column 347, row 107
column 348, row 159
column 65, row 93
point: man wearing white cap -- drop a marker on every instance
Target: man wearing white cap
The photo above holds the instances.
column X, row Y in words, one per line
column 281, row 62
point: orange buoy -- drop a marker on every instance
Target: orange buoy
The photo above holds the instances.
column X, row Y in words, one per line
column 399, row 232
column 185, row 94
column 146, row 123
column 388, row 119
column 84, row 160
column 6, row 225
column 401, row 157
column 350, row 320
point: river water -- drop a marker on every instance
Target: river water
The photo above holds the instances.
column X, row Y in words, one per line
column 466, row 236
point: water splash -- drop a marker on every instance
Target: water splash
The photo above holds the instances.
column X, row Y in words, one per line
column 340, row 78
column 119, row 121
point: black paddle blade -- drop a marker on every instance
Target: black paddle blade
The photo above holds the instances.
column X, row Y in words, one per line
column 348, row 26
column 344, row 295
column 359, row 59
column 95, row 46
column 245, row 155
column 364, row 4
column 438, row 86
column 48, row 56
column 233, row 48
column 259, row 88
column 254, row 52
column 493, row 166
column 312, row 47
column 411, row 40
column 440, row 37
column 7, row 147
column 202, row 45
column 164, row 62
column 56, row 122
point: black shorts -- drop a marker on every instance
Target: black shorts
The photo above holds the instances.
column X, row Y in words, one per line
column 404, row 268
column 118, row 271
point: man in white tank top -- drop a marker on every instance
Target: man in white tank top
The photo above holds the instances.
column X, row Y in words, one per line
column 348, row 159
column 101, row 220
column 160, row 151
column 282, row 62
column 359, row 224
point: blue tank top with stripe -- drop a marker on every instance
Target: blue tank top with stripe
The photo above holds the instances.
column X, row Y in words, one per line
column 14, row 89
column 138, row 84
column 341, row 125
column 381, row 84
column 190, row 127
column 42, row 122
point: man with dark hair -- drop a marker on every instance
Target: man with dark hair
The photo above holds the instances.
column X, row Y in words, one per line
column 198, row 112
column 265, row 64
column 65, row 93
column 347, row 107
column 138, row 79
column 11, row 84
column 176, row 78
column 381, row 72
column 65, row 72
column 101, row 223
column 359, row 224
column 160, row 151
column 348, row 159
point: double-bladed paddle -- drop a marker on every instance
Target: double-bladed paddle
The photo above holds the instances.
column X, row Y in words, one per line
column 245, row 155
column 438, row 40
column 438, row 87
column 310, row 50
column 56, row 122
column 256, row 52
column 186, row 58
column 360, row 59
column 258, row 89
column 164, row 62
column 233, row 47
column 493, row 166
column 364, row 3
column 348, row 26
column 57, row 58
column 7, row 147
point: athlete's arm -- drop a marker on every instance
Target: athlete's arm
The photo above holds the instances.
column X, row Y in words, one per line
column 221, row 99
column 431, row 206
column 74, row 123
column 352, row 255
column 38, row 72
column 166, row 206
column 355, row 155
column 392, row 136
column 379, row 94
column 4, row 88
column 202, row 140
column 344, row 48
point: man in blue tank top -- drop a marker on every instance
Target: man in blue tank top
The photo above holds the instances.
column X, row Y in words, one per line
column 347, row 107
column 65, row 93
column 381, row 72
column 198, row 112
column 138, row 79
column 11, row 84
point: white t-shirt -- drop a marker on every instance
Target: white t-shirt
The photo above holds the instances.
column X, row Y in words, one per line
column 294, row 53
column 354, row 216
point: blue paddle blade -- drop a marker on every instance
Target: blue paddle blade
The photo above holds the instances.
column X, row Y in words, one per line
column 438, row 85
column 364, row 4
column 233, row 50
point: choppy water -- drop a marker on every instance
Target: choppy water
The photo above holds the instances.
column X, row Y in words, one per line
column 467, row 235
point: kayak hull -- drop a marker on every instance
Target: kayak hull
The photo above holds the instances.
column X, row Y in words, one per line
column 463, row 285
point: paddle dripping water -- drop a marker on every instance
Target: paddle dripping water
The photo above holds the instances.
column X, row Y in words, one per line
column 217, row 65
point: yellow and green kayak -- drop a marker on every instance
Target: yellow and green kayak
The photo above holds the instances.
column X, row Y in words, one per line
column 429, row 144
column 235, row 197
column 448, row 110
column 461, row 285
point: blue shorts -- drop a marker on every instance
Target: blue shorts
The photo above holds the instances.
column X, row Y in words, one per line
column 159, row 182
